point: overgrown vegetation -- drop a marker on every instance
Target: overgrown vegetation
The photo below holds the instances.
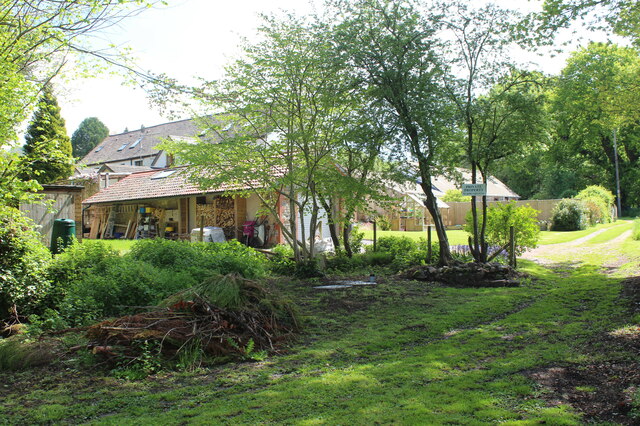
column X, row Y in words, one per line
column 569, row 215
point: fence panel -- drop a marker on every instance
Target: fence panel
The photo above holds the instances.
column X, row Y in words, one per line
column 457, row 211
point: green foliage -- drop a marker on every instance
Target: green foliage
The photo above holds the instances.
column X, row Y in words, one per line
column 599, row 202
column 48, row 148
column 16, row 353
column 384, row 223
column 569, row 215
column 92, row 281
column 201, row 259
column 87, row 136
column 23, row 263
column 455, row 195
column 404, row 251
column 636, row 230
column 500, row 218
column 355, row 239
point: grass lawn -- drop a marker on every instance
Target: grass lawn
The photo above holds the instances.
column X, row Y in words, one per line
column 401, row 352
column 555, row 237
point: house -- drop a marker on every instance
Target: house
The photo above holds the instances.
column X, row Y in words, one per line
column 163, row 203
column 139, row 148
column 410, row 214
column 496, row 190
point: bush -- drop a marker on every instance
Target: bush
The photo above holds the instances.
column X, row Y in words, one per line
column 201, row 259
column 404, row 251
column 23, row 263
column 501, row 217
column 597, row 211
column 78, row 261
column 569, row 215
column 636, row 230
column 455, row 195
column 384, row 223
column 355, row 238
column 599, row 202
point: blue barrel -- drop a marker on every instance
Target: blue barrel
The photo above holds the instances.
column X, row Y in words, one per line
column 62, row 234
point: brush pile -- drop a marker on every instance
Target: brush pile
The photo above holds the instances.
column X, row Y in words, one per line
column 225, row 316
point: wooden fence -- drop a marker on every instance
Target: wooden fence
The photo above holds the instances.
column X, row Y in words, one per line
column 456, row 214
column 67, row 201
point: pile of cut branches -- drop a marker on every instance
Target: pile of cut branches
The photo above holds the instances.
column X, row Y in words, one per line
column 224, row 316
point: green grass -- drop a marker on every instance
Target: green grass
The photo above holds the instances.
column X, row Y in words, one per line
column 555, row 237
column 401, row 352
column 611, row 232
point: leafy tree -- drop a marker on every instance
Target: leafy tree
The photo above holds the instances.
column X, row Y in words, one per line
column 87, row 136
column 592, row 101
column 47, row 147
column 621, row 16
column 455, row 195
column 36, row 39
column 501, row 217
column 291, row 104
column 499, row 109
column 394, row 50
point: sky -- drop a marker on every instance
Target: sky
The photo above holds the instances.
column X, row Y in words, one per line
column 184, row 39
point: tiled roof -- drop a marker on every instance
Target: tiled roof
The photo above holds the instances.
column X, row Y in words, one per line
column 123, row 146
column 151, row 185
column 119, row 168
column 495, row 188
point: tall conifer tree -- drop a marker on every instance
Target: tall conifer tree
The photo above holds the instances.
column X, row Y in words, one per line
column 48, row 148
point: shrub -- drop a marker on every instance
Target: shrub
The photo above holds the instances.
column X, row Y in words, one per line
column 404, row 251
column 597, row 191
column 597, row 211
column 455, row 195
column 201, row 259
column 282, row 262
column 23, row 263
column 76, row 262
column 599, row 202
column 569, row 215
column 355, row 238
column 384, row 223
column 636, row 230
column 501, row 217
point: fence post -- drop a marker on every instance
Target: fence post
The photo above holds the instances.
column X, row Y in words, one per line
column 375, row 226
column 429, row 253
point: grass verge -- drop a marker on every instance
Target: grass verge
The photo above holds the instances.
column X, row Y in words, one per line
column 400, row 352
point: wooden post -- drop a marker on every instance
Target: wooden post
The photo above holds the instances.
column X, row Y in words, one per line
column 512, row 246
column 201, row 228
column 429, row 252
column 375, row 226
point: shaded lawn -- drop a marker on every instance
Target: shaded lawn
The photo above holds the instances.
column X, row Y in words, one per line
column 402, row 352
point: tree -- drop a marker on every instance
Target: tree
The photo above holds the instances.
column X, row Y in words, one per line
column 621, row 16
column 291, row 104
column 37, row 39
column 591, row 101
column 499, row 108
column 394, row 49
column 47, row 147
column 87, row 136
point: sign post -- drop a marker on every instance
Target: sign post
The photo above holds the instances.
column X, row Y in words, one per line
column 474, row 189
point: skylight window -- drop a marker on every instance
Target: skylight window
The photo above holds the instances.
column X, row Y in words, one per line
column 163, row 174
column 227, row 127
column 98, row 149
column 124, row 145
column 133, row 145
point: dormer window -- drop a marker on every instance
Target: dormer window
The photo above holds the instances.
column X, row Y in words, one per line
column 124, row 145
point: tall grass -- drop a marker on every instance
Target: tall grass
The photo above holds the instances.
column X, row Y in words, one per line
column 636, row 230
